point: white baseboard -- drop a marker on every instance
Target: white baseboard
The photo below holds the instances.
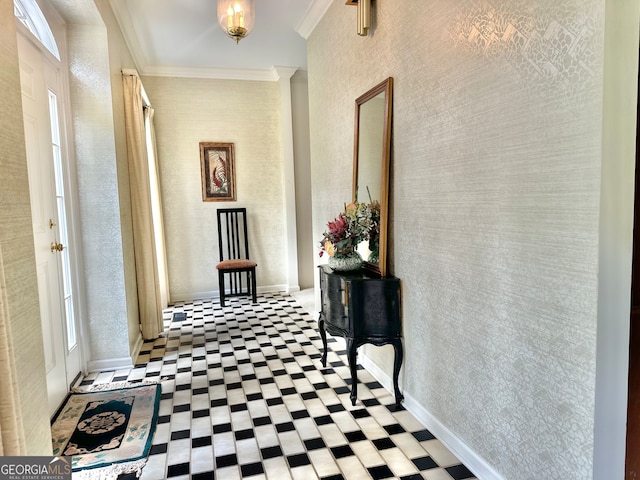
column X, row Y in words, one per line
column 191, row 296
column 480, row 468
column 109, row 364
column 136, row 348
column 215, row 294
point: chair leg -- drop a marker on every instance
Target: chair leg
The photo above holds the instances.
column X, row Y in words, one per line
column 221, row 286
column 253, row 286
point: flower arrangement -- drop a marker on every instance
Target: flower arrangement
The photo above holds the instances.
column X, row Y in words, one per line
column 354, row 225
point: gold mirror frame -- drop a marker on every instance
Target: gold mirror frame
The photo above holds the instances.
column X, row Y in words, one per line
column 371, row 161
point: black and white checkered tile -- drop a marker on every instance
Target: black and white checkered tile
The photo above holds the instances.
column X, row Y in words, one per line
column 244, row 395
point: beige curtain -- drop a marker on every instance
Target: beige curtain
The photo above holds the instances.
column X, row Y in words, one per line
column 144, row 243
column 11, row 433
column 156, row 206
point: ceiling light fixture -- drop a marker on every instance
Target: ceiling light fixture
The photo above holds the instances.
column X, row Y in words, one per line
column 236, row 17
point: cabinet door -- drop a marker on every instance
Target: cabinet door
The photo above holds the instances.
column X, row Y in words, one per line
column 335, row 314
column 375, row 308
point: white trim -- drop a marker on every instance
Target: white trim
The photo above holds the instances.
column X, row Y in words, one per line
column 312, row 17
column 284, row 74
column 71, row 192
column 123, row 17
column 474, row 462
column 615, row 241
column 215, row 294
column 110, row 364
column 263, row 75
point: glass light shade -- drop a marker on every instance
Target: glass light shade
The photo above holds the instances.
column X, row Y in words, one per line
column 236, row 17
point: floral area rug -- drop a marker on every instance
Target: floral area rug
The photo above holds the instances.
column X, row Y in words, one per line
column 108, row 429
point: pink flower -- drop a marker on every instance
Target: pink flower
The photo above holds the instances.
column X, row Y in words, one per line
column 338, row 226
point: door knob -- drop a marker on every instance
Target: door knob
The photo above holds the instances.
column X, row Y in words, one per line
column 56, row 247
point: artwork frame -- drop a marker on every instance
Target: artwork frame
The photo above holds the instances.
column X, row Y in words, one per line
column 217, row 170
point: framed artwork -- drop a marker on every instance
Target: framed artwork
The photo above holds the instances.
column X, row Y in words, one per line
column 217, row 171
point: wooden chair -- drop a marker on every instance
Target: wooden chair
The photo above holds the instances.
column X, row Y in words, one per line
column 234, row 263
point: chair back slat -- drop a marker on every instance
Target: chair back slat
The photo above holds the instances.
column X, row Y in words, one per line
column 233, row 242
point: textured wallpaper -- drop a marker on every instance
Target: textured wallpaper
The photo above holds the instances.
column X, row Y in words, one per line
column 494, row 210
column 16, row 237
column 98, row 193
column 246, row 113
column 119, row 58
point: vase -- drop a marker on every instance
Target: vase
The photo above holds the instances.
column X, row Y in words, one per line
column 346, row 262
column 374, row 252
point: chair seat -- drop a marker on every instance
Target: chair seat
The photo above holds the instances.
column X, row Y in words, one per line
column 234, row 264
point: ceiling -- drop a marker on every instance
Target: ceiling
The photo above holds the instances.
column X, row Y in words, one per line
column 183, row 38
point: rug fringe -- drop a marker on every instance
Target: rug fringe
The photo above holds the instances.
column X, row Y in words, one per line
column 103, row 387
column 112, row 471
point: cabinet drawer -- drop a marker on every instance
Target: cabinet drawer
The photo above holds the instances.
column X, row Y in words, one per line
column 336, row 315
column 334, row 291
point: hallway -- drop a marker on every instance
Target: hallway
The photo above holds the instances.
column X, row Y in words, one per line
column 244, row 396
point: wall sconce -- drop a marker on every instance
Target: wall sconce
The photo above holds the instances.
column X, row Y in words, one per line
column 364, row 15
column 236, row 17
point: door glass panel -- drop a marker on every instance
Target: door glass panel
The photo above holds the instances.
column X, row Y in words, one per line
column 29, row 13
column 70, row 323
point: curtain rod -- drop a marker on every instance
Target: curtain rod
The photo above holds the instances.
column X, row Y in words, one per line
column 134, row 73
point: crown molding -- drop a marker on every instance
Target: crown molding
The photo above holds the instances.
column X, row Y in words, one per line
column 283, row 73
column 314, row 14
column 262, row 75
column 121, row 13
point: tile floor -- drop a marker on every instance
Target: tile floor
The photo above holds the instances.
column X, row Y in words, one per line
column 244, row 396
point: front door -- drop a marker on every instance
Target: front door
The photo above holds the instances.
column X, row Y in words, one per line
column 40, row 80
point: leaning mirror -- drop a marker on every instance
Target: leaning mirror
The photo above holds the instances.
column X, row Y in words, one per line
column 371, row 160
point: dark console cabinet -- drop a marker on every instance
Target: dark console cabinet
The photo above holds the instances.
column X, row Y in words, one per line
column 361, row 309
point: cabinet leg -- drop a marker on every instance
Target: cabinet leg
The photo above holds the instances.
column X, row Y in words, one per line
column 397, row 363
column 323, row 334
column 352, row 353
